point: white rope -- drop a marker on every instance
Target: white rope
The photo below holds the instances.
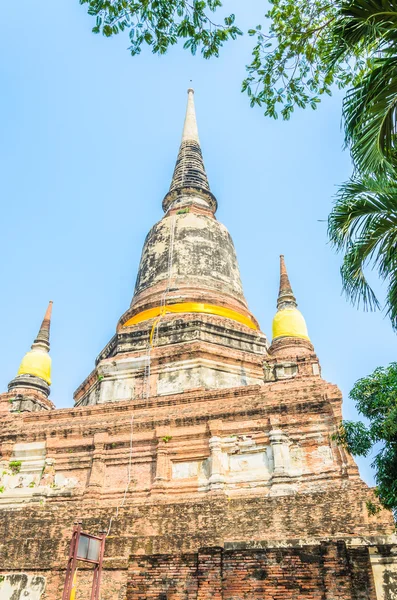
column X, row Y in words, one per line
column 170, row 259
column 129, row 478
column 153, row 337
column 146, row 383
column 169, row 276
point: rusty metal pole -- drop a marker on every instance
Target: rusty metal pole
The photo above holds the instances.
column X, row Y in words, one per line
column 87, row 554
column 71, row 566
column 96, row 584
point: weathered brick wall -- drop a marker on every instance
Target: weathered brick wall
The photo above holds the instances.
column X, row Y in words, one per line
column 91, row 445
column 328, row 571
column 320, row 571
column 167, row 518
column 156, row 577
column 40, row 536
column 362, row 576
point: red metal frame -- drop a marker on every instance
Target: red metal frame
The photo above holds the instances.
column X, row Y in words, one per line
column 73, row 558
column 96, row 584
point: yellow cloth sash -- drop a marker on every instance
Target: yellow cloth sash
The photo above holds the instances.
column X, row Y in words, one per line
column 191, row 307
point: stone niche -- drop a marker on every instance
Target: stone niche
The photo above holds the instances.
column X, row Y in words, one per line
column 116, row 379
column 200, row 373
column 241, row 461
column 19, row 586
column 113, row 381
column 25, row 469
column 30, row 476
column 246, row 462
column 285, row 370
column 197, row 469
column 384, row 568
column 122, row 379
column 32, row 456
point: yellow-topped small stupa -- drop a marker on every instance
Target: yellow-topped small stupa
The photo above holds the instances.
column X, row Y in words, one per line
column 34, row 373
column 288, row 321
column 37, row 361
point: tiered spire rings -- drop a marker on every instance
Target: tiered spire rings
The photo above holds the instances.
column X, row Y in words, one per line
column 190, row 178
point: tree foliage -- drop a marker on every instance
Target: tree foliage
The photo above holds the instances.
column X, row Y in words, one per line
column 369, row 108
column 159, row 24
column 363, row 222
column 376, row 399
column 291, row 54
column 363, row 225
column 291, row 58
column 301, row 49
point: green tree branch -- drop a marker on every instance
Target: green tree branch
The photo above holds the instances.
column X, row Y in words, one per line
column 376, row 400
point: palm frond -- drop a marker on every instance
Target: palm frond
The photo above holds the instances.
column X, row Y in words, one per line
column 358, row 199
column 370, row 115
column 363, row 27
column 355, row 284
column 392, row 294
column 363, row 224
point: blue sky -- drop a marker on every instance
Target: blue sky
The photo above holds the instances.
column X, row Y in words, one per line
column 87, row 148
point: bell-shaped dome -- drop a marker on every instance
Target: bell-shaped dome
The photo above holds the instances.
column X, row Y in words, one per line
column 36, row 362
column 289, row 322
column 193, row 255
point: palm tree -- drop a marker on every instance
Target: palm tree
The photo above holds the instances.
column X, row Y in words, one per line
column 367, row 30
column 363, row 225
column 363, row 222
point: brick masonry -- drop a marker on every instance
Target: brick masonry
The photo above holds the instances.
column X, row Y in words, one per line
column 329, row 570
column 305, row 534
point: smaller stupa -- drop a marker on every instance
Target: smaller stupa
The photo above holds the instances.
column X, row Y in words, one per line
column 31, row 386
column 291, row 352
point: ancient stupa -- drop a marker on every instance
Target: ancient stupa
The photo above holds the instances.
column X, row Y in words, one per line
column 205, row 452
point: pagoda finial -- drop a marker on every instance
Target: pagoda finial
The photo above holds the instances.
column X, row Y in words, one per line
column 190, row 129
column 189, row 181
column 43, row 337
column 286, row 298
